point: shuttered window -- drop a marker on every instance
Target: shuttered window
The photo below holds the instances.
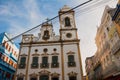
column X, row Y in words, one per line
column 45, row 60
column 70, row 58
column 54, row 59
column 23, row 60
column 35, row 60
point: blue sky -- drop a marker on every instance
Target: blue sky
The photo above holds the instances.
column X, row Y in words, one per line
column 17, row 16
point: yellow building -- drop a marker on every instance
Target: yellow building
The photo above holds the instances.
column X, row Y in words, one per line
column 116, row 17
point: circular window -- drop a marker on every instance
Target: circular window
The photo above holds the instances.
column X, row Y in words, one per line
column 36, row 50
column 69, row 35
column 45, row 50
column 54, row 49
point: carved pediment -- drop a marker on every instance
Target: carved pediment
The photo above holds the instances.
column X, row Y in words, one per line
column 23, row 54
column 70, row 52
column 44, row 72
column 55, row 74
column 35, row 54
column 72, row 73
column 44, row 54
column 33, row 75
column 55, row 54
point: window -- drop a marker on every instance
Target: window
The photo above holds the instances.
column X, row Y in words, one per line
column 4, row 43
column 36, row 50
column 67, row 21
column 44, row 62
column 45, row 50
column 46, row 35
column 69, row 35
column 56, row 78
column 44, row 59
column 72, row 78
column 9, row 49
column 22, row 62
column 35, row 59
column 107, row 29
column 70, row 58
column 33, row 78
column 34, row 62
column 20, row 78
column 44, row 77
column 54, row 61
column 54, row 49
column 71, row 62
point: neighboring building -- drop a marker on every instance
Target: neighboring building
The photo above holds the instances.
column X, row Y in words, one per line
column 108, row 41
column 8, row 57
column 89, row 67
column 116, row 17
column 107, row 57
column 50, row 56
column 84, row 77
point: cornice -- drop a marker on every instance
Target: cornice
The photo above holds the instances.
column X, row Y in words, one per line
column 47, row 42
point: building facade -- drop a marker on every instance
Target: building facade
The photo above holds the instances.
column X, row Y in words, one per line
column 89, row 67
column 107, row 57
column 50, row 56
column 8, row 57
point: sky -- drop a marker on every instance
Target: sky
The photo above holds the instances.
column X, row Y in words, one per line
column 17, row 16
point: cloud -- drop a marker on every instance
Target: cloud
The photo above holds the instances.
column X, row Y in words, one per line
column 23, row 17
column 33, row 10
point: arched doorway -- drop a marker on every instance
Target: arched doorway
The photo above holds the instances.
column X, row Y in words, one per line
column 44, row 77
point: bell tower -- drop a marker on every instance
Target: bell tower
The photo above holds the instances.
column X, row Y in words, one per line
column 68, row 30
column 47, row 33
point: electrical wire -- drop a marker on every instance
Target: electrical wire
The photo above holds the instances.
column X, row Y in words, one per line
column 83, row 10
column 48, row 21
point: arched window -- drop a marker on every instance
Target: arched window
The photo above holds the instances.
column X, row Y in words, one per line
column 67, row 21
column 46, row 35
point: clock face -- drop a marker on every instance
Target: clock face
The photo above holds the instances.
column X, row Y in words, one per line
column 68, row 35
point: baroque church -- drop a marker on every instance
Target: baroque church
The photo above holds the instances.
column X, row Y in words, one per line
column 50, row 56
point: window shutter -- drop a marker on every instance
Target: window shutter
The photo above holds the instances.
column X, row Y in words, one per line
column 45, row 60
column 23, row 60
column 54, row 59
column 35, row 59
column 70, row 58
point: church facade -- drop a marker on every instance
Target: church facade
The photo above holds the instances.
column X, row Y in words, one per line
column 50, row 56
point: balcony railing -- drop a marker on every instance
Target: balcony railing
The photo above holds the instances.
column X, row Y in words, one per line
column 54, row 65
column 34, row 65
column 71, row 64
column 22, row 66
column 3, row 63
column 44, row 65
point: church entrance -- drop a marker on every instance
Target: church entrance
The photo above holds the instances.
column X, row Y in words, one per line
column 55, row 78
column 44, row 77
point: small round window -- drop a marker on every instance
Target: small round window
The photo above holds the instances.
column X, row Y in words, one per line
column 69, row 35
column 36, row 50
column 45, row 49
column 54, row 49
